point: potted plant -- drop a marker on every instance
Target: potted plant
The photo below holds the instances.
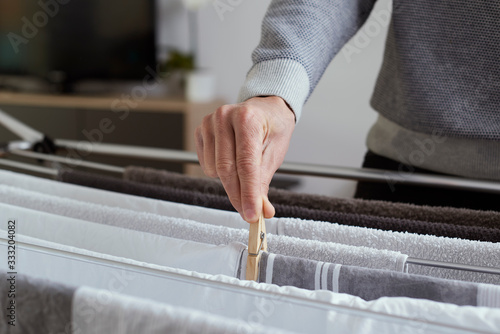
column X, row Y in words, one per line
column 199, row 84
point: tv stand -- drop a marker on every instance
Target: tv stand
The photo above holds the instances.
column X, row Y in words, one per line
column 154, row 122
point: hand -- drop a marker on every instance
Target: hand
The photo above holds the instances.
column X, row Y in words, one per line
column 244, row 144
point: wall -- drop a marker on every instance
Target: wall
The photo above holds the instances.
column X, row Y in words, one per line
column 337, row 116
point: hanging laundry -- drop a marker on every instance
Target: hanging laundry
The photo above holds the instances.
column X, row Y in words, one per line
column 136, row 203
column 282, row 210
column 175, row 180
column 146, row 190
column 286, row 308
column 31, row 305
column 126, row 243
column 44, row 306
column 370, row 284
column 452, row 250
column 446, row 215
column 186, row 229
column 131, row 315
column 420, row 246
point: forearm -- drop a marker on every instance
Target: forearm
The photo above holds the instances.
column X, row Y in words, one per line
column 299, row 39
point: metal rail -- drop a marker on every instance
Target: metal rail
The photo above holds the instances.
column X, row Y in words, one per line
column 360, row 174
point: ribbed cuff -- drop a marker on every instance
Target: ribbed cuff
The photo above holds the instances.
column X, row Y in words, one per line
column 285, row 78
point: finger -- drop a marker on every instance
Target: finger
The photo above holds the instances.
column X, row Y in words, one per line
column 248, row 160
column 208, row 146
column 270, row 163
column 225, row 157
column 266, row 177
column 268, row 208
column 198, row 139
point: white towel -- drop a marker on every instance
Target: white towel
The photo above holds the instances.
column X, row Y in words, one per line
column 130, row 202
column 124, row 314
column 190, row 230
column 139, row 246
column 287, row 308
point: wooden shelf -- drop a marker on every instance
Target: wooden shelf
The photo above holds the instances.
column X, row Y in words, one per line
column 193, row 113
column 98, row 102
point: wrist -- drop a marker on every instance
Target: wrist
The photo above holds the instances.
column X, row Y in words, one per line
column 276, row 100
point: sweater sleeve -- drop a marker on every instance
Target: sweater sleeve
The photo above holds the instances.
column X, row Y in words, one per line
column 299, row 39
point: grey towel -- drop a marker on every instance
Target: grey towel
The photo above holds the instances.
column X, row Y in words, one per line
column 452, row 250
column 371, row 284
column 41, row 306
column 174, row 180
column 145, row 190
column 447, row 215
column 207, row 192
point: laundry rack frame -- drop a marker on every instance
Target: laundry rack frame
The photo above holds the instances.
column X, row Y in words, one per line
column 33, row 138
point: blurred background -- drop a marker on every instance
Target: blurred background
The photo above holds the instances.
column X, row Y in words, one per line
column 213, row 39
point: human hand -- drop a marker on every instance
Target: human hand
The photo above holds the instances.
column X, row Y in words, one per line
column 244, row 144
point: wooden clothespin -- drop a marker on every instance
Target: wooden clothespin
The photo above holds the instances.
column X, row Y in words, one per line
column 257, row 242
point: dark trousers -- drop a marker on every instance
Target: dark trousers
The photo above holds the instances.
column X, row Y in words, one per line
column 433, row 196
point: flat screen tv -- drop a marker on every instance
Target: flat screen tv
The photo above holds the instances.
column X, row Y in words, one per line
column 74, row 40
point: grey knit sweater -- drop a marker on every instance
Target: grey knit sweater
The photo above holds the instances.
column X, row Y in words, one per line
column 438, row 91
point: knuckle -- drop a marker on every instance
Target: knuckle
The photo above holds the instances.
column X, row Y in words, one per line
column 207, row 133
column 249, row 196
column 210, row 172
column 221, row 117
column 225, row 168
column 249, row 120
column 198, row 135
column 223, row 110
column 246, row 114
column 247, row 166
column 206, row 122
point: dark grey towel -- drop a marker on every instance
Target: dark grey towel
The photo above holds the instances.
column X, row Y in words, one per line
column 174, row 180
column 222, row 203
column 447, row 215
column 370, row 284
column 41, row 306
column 146, row 190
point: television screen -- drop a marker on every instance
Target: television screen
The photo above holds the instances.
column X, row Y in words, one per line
column 77, row 39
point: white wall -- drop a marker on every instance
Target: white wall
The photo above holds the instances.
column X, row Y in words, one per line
column 336, row 118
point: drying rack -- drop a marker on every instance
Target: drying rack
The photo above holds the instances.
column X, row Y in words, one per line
column 39, row 146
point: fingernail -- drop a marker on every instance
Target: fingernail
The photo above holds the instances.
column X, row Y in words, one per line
column 249, row 215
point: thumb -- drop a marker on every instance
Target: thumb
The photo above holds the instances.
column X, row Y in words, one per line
column 268, row 208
